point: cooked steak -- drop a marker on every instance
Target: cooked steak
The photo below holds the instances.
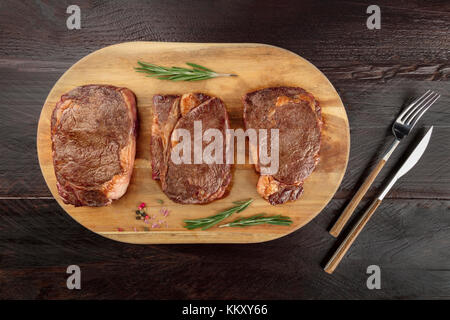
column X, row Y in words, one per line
column 296, row 114
column 93, row 130
column 165, row 116
column 167, row 109
column 188, row 183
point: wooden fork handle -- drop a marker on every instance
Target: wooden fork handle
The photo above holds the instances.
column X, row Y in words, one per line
column 348, row 211
column 348, row 241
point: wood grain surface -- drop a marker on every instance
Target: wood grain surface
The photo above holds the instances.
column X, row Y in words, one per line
column 374, row 72
column 252, row 63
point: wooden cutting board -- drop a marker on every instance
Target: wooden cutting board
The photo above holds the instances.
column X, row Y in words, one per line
column 257, row 66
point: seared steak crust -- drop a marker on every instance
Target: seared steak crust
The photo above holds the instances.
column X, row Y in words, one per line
column 165, row 115
column 167, row 109
column 297, row 115
column 189, row 183
column 93, row 130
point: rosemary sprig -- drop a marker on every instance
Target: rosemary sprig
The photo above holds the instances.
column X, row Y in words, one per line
column 197, row 72
column 206, row 223
column 259, row 219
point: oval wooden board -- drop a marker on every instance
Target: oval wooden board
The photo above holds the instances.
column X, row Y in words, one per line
column 258, row 66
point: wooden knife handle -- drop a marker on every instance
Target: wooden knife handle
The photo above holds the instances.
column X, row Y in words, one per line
column 348, row 211
column 348, row 241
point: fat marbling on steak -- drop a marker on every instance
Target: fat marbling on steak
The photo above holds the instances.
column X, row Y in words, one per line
column 93, row 131
column 297, row 116
column 188, row 183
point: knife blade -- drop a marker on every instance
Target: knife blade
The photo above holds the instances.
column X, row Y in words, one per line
column 409, row 163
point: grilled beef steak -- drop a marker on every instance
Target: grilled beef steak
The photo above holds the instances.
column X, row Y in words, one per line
column 165, row 116
column 296, row 114
column 167, row 109
column 93, row 130
column 188, row 183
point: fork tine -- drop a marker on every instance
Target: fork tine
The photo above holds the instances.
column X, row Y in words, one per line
column 412, row 104
column 424, row 110
column 417, row 109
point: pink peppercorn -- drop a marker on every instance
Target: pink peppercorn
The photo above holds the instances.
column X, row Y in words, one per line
column 141, row 206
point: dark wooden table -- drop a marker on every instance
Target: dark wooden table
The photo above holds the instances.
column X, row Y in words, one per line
column 373, row 70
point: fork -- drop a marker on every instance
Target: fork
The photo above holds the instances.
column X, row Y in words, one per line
column 400, row 129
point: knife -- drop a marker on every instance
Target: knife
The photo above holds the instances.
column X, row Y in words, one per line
column 410, row 162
